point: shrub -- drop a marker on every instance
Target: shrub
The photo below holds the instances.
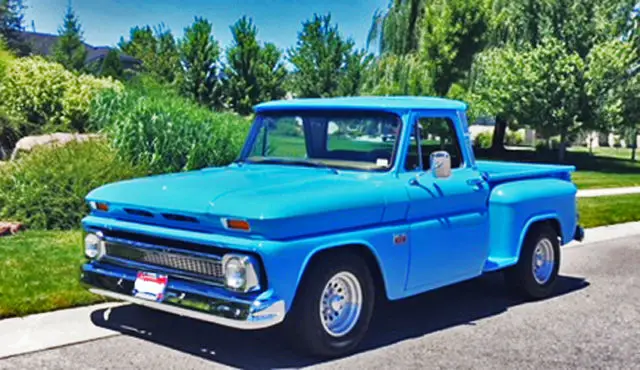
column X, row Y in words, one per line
column 44, row 96
column 167, row 133
column 514, row 138
column 484, row 140
column 46, row 189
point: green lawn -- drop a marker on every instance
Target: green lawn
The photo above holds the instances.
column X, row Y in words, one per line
column 602, row 211
column 39, row 271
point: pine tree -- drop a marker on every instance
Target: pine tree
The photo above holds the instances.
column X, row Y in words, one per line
column 111, row 66
column 69, row 50
column 12, row 25
column 199, row 53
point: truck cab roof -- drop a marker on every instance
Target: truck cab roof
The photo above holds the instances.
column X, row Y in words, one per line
column 385, row 103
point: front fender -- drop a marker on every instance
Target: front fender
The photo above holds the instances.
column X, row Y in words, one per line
column 286, row 262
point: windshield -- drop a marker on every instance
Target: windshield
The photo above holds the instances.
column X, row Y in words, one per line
column 350, row 140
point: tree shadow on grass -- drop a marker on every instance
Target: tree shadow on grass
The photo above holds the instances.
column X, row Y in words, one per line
column 460, row 304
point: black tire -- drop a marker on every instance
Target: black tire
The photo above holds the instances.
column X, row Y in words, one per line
column 520, row 277
column 303, row 321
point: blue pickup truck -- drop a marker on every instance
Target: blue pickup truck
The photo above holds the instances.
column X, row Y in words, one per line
column 332, row 206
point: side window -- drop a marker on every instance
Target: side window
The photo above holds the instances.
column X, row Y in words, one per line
column 434, row 133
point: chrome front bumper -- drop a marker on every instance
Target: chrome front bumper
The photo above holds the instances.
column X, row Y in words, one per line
column 189, row 299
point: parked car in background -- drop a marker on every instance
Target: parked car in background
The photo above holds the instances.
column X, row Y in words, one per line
column 310, row 227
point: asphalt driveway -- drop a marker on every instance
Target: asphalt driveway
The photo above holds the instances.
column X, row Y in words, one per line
column 592, row 322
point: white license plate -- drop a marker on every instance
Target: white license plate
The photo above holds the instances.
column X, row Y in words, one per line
column 150, row 286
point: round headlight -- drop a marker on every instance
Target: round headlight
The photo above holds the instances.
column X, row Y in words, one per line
column 92, row 245
column 235, row 273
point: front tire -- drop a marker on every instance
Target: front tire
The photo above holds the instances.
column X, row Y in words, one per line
column 534, row 276
column 334, row 305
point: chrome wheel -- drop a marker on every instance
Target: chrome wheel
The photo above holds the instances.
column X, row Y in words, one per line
column 543, row 261
column 341, row 304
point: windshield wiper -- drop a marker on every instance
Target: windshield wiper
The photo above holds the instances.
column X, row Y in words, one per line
column 298, row 162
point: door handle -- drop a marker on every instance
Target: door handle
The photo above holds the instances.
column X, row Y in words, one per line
column 476, row 184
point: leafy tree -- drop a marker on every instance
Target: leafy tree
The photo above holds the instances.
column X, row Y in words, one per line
column 397, row 30
column 199, row 53
column 453, row 31
column 324, row 63
column 157, row 49
column 541, row 88
column 398, row 75
column 111, row 66
column 613, row 87
column 69, row 50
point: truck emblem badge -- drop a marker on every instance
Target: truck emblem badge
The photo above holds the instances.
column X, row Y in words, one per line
column 399, row 239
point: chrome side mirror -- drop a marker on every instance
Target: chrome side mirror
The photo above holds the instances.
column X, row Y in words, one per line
column 440, row 164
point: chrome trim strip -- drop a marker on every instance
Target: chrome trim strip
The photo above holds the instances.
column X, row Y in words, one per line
column 217, row 282
column 267, row 316
column 161, row 248
column 209, row 291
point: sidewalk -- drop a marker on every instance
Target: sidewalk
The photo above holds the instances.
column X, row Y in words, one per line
column 608, row 192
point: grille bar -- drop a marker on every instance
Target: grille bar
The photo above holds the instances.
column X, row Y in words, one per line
column 201, row 267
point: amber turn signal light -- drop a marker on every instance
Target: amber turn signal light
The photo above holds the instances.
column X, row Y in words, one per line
column 237, row 224
column 102, row 207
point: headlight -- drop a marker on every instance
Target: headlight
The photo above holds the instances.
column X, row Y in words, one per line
column 92, row 245
column 240, row 272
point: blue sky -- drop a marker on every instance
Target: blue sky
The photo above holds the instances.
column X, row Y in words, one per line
column 278, row 21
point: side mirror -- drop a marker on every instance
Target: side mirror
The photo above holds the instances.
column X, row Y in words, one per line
column 440, row 162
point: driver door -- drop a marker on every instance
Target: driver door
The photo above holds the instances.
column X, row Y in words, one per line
column 448, row 217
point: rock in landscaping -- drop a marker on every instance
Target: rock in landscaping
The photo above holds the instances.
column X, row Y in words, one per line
column 7, row 228
column 27, row 144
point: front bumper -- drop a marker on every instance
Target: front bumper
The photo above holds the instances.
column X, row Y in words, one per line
column 190, row 299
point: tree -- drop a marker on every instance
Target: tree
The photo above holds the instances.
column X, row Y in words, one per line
column 69, row 50
column 398, row 75
column 111, row 66
column 322, row 61
column 397, row 30
column 199, row 53
column 453, row 31
column 271, row 73
column 613, row 87
column 12, row 24
column 243, row 58
column 541, row 88
column 157, row 49
column 254, row 73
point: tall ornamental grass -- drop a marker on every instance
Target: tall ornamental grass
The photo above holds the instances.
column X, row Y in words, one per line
column 167, row 133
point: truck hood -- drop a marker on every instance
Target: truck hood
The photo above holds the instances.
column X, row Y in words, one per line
column 279, row 201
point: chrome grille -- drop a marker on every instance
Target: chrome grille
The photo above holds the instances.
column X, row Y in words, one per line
column 199, row 266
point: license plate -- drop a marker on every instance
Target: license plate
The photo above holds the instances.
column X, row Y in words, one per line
column 150, row 286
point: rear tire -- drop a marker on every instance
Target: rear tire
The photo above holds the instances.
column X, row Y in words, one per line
column 534, row 276
column 322, row 324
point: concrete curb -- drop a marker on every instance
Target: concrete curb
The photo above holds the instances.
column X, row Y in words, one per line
column 38, row 332
column 590, row 193
column 22, row 335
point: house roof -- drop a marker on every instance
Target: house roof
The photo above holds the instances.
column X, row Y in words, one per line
column 42, row 44
column 388, row 103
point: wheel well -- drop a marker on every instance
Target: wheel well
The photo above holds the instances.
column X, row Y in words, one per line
column 365, row 253
column 551, row 222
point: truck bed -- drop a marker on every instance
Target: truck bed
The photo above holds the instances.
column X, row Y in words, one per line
column 498, row 172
